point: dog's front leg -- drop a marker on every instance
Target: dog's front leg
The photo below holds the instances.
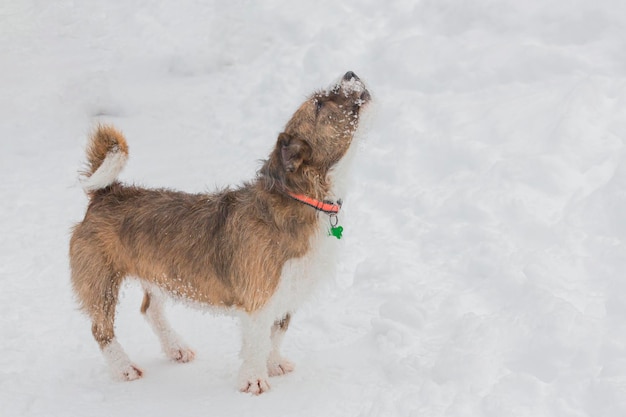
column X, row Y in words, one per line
column 255, row 350
column 276, row 363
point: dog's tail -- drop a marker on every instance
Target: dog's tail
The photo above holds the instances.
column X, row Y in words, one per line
column 107, row 153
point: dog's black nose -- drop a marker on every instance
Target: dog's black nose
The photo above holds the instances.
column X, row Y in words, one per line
column 350, row 75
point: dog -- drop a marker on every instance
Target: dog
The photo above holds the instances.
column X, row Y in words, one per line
column 244, row 250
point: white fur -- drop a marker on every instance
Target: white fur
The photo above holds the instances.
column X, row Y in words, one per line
column 171, row 343
column 260, row 347
column 276, row 363
column 107, row 172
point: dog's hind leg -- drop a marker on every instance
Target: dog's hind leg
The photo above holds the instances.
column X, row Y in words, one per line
column 276, row 364
column 97, row 286
column 103, row 316
column 153, row 309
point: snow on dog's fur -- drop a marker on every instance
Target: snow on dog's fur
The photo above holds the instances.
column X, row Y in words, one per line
column 250, row 250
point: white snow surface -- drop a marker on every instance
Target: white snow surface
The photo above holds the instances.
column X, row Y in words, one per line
column 483, row 266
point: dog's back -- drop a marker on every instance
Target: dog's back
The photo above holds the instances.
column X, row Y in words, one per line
column 224, row 249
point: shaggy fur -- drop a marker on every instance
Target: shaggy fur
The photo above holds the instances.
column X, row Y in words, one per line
column 228, row 249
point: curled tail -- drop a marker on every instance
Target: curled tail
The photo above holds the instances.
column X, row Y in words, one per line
column 107, row 153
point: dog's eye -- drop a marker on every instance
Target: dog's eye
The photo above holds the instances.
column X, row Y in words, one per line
column 318, row 106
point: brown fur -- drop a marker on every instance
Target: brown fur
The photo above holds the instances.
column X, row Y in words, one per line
column 223, row 249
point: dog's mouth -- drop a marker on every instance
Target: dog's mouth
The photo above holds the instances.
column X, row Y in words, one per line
column 351, row 89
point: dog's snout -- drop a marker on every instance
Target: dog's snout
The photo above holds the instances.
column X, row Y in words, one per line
column 350, row 75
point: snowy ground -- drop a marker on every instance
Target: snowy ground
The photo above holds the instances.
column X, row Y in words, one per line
column 483, row 272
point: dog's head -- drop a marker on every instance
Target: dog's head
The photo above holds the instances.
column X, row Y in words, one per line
column 320, row 132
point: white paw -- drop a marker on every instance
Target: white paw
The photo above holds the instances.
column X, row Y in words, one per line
column 254, row 386
column 119, row 364
column 181, row 354
column 130, row 373
column 280, row 367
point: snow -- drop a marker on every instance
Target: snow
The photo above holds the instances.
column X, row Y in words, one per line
column 481, row 272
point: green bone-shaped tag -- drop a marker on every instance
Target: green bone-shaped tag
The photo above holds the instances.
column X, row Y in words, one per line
column 335, row 231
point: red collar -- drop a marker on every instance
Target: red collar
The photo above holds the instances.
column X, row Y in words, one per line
column 326, row 207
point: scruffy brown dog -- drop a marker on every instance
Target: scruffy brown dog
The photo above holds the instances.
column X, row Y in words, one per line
column 246, row 250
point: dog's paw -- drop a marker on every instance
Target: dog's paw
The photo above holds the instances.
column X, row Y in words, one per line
column 280, row 367
column 255, row 386
column 181, row 354
column 120, row 366
column 130, row 373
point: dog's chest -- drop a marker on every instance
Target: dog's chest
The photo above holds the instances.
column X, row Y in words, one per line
column 301, row 276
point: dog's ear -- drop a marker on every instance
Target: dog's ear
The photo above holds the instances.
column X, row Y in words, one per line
column 293, row 151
